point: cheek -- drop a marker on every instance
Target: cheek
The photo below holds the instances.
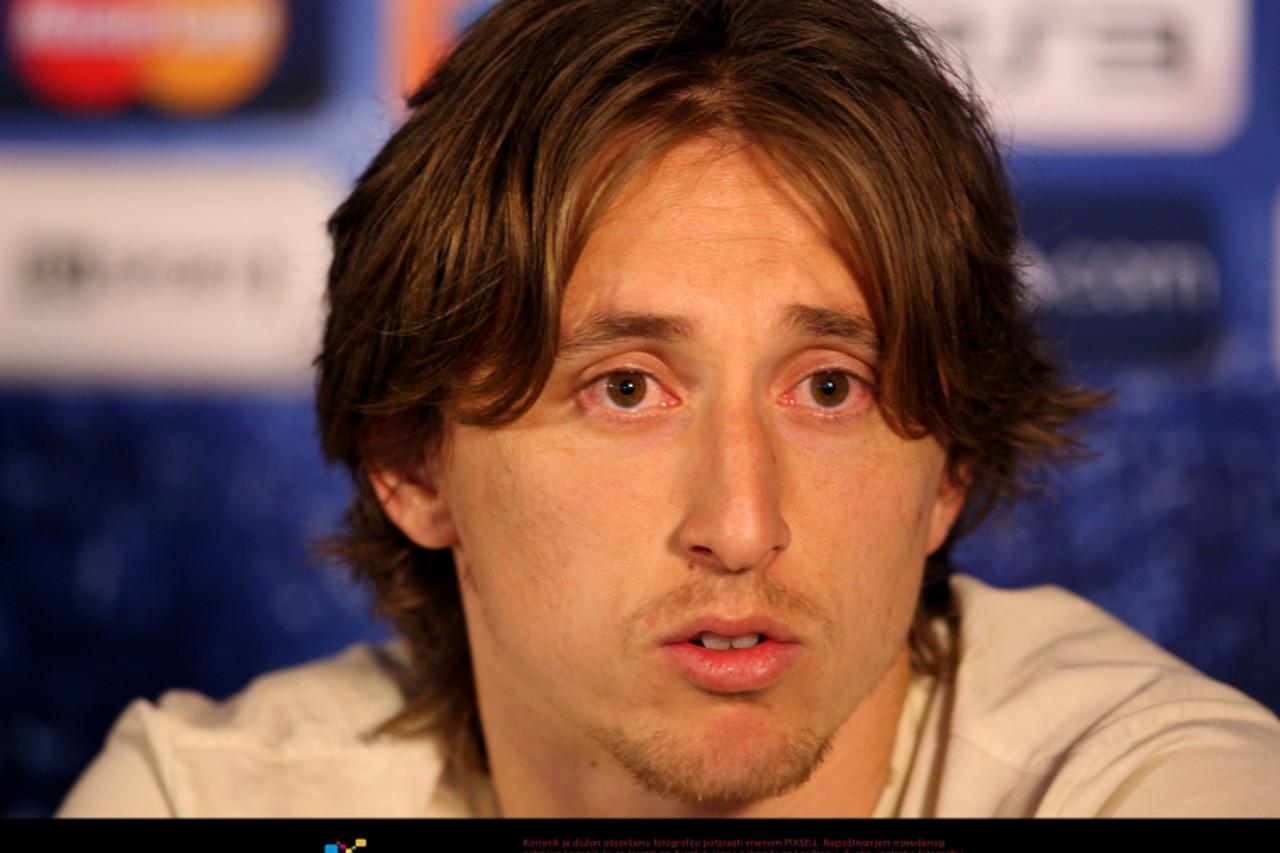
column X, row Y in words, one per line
column 874, row 500
column 863, row 515
column 509, row 514
column 536, row 520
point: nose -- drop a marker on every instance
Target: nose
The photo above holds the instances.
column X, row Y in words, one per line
column 733, row 522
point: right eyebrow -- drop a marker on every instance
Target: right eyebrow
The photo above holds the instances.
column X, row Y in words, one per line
column 601, row 330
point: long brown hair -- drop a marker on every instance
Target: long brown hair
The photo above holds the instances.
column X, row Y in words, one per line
column 451, row 254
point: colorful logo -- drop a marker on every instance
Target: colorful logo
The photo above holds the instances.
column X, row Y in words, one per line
column 183, row 57
column 339, row 847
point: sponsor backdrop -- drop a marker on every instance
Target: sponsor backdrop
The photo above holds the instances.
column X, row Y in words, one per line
column 165, row 171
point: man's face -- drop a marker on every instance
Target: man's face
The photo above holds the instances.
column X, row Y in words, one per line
column 707, row 457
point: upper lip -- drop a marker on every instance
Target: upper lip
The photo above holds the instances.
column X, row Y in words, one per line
column 771, row 628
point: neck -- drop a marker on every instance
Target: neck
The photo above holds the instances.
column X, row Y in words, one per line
column 538, row 777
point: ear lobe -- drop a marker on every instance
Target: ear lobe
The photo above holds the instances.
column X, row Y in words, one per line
column 946, row 508
column 416, row 506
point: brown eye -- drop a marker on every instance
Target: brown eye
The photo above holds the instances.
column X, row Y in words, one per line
column 626, row 389
column 829, row 389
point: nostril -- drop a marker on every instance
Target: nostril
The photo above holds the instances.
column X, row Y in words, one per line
column 703, row 556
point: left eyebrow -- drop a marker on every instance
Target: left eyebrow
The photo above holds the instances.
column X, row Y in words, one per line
column 830, row 323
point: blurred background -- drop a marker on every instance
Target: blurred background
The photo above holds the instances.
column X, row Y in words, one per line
column 165, row 172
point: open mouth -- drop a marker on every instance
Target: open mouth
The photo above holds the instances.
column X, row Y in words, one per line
column 740, row 663
column 708, row 640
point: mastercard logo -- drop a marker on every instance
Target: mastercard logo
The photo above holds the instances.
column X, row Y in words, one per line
column 183, row 57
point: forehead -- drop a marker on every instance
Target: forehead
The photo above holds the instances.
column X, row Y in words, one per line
column 709, row 230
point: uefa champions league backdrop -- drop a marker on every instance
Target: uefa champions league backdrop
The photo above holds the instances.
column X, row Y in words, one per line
column 165, row 172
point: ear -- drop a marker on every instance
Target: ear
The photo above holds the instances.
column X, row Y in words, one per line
column 415, row 504
column 947, row 504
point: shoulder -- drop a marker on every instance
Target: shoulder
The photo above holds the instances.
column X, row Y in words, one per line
column 301, row 741
column 1085, row 716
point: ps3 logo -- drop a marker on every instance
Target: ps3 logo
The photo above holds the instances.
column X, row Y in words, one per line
column 181, row 57
column 1166, row 74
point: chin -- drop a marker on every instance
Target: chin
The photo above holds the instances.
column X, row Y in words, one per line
column 732, row 759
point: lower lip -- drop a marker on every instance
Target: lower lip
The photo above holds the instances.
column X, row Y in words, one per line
column 733, row 670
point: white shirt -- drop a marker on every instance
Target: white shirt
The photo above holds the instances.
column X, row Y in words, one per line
column 1057, row 709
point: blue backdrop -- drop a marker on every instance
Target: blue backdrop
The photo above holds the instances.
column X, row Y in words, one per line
column 156, row 537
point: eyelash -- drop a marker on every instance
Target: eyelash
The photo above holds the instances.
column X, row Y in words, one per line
column 859, row 390
column 858, row 393
column 597, row 388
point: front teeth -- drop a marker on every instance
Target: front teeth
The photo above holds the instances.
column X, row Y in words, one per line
column 715, row 641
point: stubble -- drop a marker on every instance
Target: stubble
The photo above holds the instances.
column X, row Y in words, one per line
column 666, row 764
